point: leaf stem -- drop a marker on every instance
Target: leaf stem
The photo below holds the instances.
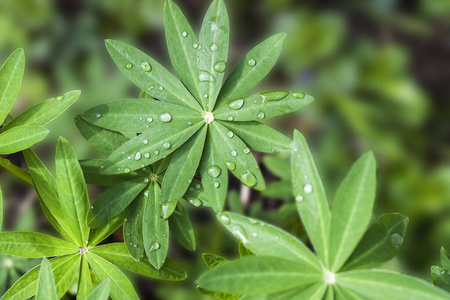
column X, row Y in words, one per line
column 24, row 175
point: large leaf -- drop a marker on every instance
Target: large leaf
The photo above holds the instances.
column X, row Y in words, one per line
column 212, row 52
column 117, row 254
column 92, row 173
column 33, row 245
column 237, row 156
column 262, row 106
column 310, row 197
column 113, row 201
column 182, row 169
column 180, row 42
column 252, row 69
column 121, row 287
column 84, row 280
column 260, row 137
column 101, row 291
column 46, row 289
column 181, row 227
column 99, row 234
column 72, row 191
column 132, row 228
column 352, row 209
column 380, row 243
column 19, row 138
column 11, row 75
column 149, row 147
column 44, row 112
column 256, row 275
column 154, row 228
column 149, row 75
column 380, row 284
column 266, row 240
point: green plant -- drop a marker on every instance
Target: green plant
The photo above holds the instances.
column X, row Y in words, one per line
column 441, row 275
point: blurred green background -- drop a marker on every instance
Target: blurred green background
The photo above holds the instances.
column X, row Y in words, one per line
column 379, row 70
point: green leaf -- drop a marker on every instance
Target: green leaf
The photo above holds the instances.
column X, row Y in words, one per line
column 157, row 82
column 180, row 42
column 215, row 295
column 19, row 138
column 214, row 176
column 44, row 112
column 139, row 115
column 155, row 229
column 243, row 251
column 277, row 164
column 46, row 289
column 266, row 240
column 84, row 280
column 113, row 201
column 237, row 156
column 121, row 287
column 445, row 259
column 103, row 140
column 117, row 254
column 252, row 69
column 33, row 245
column 101, row 291
column 279, row 189
column 260, row 137
column 181, row 227
column 380, row 284
column 256, row 275
column 262, row 106
column 235, row 203
column 314, row 291
column 380, row 243
column 1, row 208
column 212, row 52
column 440, row 277
column 99, row 234
column 310, row 197
column 352, row 209
column 92, row 173
column 213, row 260
column 11, row 74
column 132, row 228
column 346, row 294
column 72, row 191
column 182, row 169
column 151, row 145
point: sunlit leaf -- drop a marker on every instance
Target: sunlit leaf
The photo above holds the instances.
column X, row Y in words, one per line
column 20, row 138
column 84, row 280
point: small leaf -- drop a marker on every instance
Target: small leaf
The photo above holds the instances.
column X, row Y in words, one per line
column 19, row 138
column 277, row 164
column 213, row 260
column 46, row 289
column 101, row 291
column 181, row 227
column 445, row 259
column 84, row 280
column 157, row 82
column 11, row 74
column 252, row 69
column 310, row 197
column 440, row 277
column 132, row 229
column 380, row 243
column 99, row 234
column 243, row 251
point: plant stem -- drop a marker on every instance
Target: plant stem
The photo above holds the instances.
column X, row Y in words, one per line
column 24, row 175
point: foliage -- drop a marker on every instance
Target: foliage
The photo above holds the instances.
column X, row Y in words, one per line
column 441, row 275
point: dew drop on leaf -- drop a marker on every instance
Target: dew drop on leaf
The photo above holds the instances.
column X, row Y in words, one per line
column 205, row 96
column 299, row 198
column 236, row 104
column 146, row 155
column 230, row 134
column 195, row 46
column 165, row 117
column 220, row 66
column 230, row 118
column 240, row 233
column 260, row 115
column 145, row 66
column 233, row 153
column 195, row 202
column 205, row 76
column 214, row 171
column 214, row 47
column 60, row 97
column 307, row 188
column 127, row 170
column 299, row 95
column 216, row 184
column 128, row 66
column 149, row 119
column 230, row 165
column 145, row 141
column 246, row 150
column 189, row 123
column 251, row 62
column 184, row 34
column 138, row 156
column 154, row 246
column 156, row 152
column 248, row 178
column 166, row 145
column 97, row 115
column 224, row 219
column 396, row 240
column 161, row 88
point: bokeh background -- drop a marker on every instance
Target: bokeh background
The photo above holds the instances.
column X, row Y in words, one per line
column 379, row 71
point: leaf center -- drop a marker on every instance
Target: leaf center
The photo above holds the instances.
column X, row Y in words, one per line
column 83, row 250
column 329, row 277
column 208, row 116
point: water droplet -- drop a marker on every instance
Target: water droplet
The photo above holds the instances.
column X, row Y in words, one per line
column 147, row 155
column 145, row 66
column 135, row 246
column 396, row 240
column 299, row 198
column 161, row 88
column 230, row 134
column 246, row 150
column 216, row 184
column 253, row 221
column 127, row 170
column 260, row 115
column 233, row 153
column 97, row 115
column 149, row 119
column 92, row 206
column 230, row 165
column 199, row 46
column 230, row 118
column 166, row 145
column 205, row 96
column 236, row 104
column 154, row 246
column 189, row 180
column 195, row 46
column 220, row 66
column 184, row 33
column 198, row 186
column 138, row 156
column 214, row 171
column 248, row 178
column 273, row 96
column 189, row 123
column 299, row 95
column 141, row 118
column 60, row 97
column 151, row 87
column 214, row 47
column 195, row 202
column 307, row 188
column 240, row 233
column 156, row 152
column 128, row 66
column 165, row 117
column 224, row 219
column 251, row 62
column 145, row 141
column 146, row 180
column 205, row 76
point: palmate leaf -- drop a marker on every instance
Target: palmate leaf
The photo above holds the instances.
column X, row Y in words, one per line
column 46, row 289
column 181, row 227
column 22, row 137
column 11, row 74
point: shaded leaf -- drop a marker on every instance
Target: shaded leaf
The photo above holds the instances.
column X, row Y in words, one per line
column 132, row 228
column 101, row 291
column 181, row 227
column 20, row 138
column 99, row 234
column 213, row 260
column 91, row 171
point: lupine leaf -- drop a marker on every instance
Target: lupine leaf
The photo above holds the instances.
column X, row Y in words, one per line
column 266, row 240
column 132, row 228
column 72, row 191
column 44, row 112
column 113, row 201
column 260, row 137
column 139, row 115
column 346, row 294
column 46, row 289
column 180, row 43
column 155, row 229
column 22, row 137
column 237, row 156
column 243, row 251
column 101, row 291
column 121, row 287
column 310, row 197
column 99, row 234
column 84, row 280
column 181, row 227
column 262, row 106
column 158, row 82
column 213, row 52
column 117, row 254
column 216, row 295
column 445, row 259
column 182, row 169
column 92, row 173
column 380, row 284
column 380, row 243
column 252, row 69
column 213, row 260
column 33, row 245
column 1, row 208
column 440, row 278
column 11, row 74
column 352, row 209
column 312, row 292
column 277, row 165
column 256, row 275
column 152, row 144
